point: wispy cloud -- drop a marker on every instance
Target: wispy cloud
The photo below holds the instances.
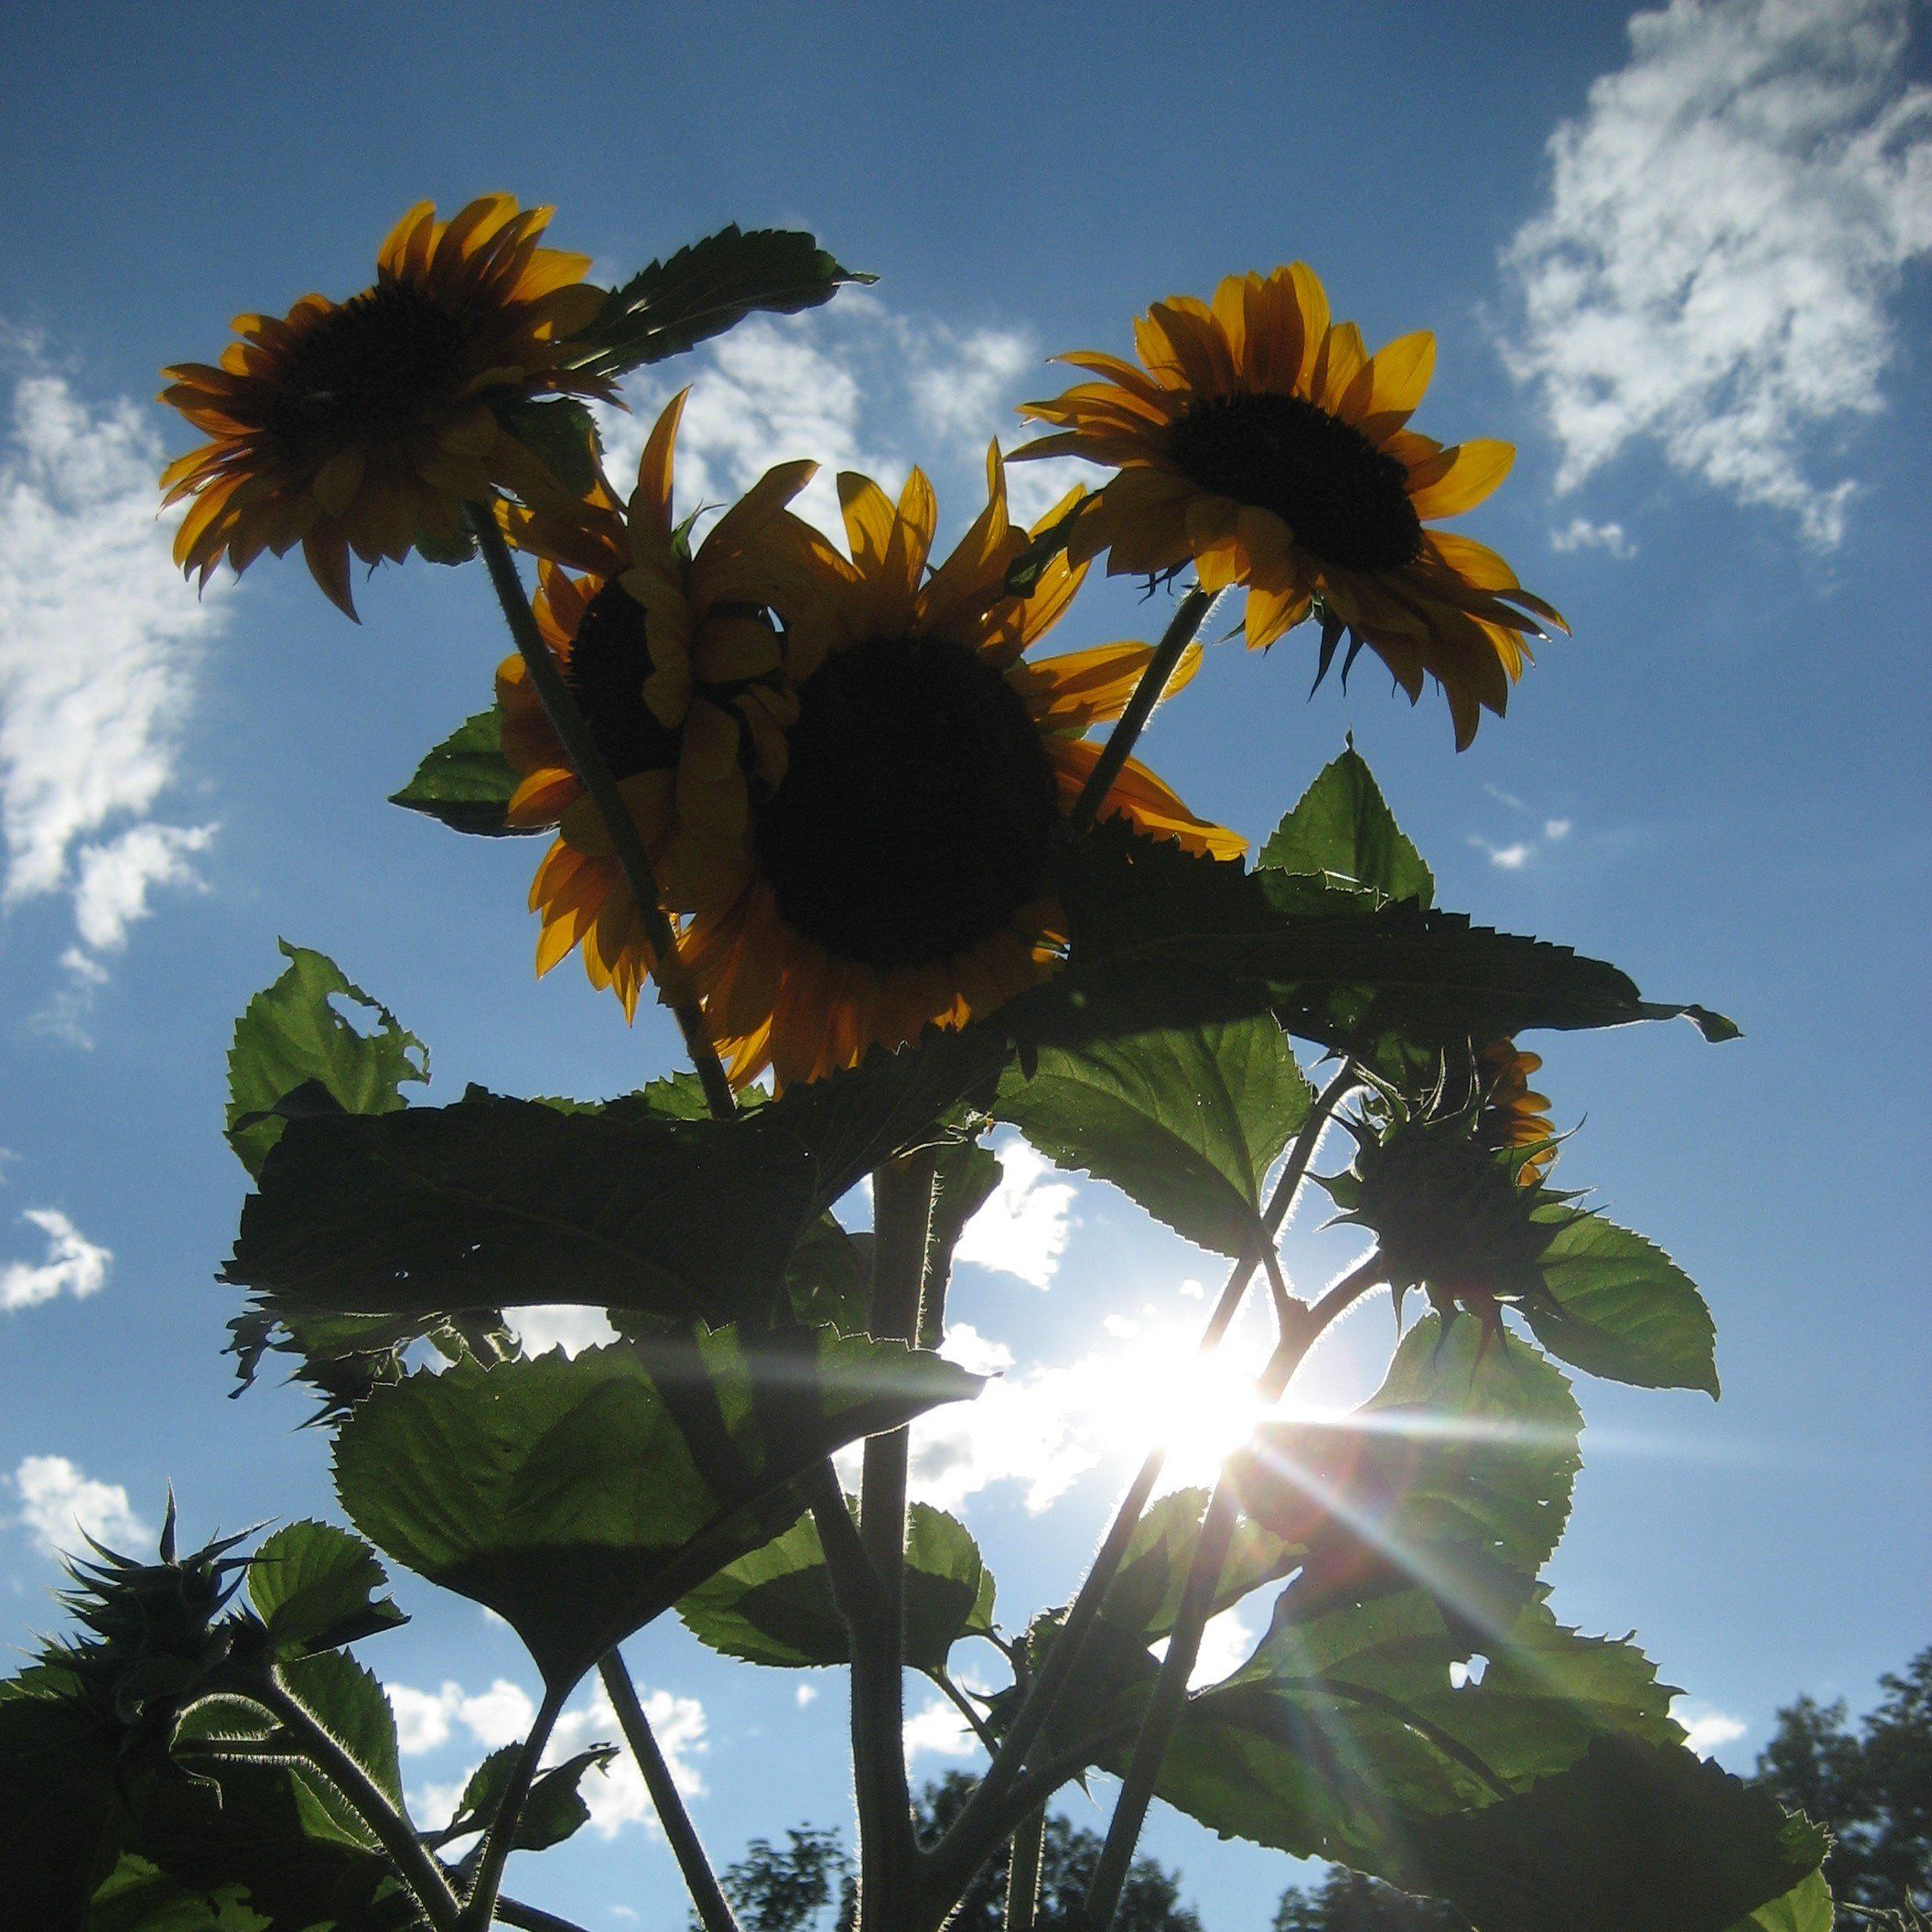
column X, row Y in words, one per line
column 1513, row 853
column 101, row 641
column 855, row 386
column 62, row 1505
column 1726, row 231
column 72, row 1265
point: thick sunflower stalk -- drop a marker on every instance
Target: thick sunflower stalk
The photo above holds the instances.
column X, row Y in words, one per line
column 899, row 875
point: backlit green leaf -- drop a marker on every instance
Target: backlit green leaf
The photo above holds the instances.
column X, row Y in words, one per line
column 552, row 1811
column 1622, row 1308
column 466, row 782
column 703, row 289
column 293, row 1036
column 1344, row 830
column 580, row 1498
column 316, row 1586
column 775, row 1605
column 1185, row 1120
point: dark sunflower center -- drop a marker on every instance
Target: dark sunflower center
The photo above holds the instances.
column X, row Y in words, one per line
column 917, row 805
column 609, row 659
column 1345, row 501
column 366, row 369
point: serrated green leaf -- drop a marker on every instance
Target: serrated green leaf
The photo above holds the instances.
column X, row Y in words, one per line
column 705, row 289
column 580, row 1498
column 1632, row 1838
column 829, row 1275
column 316, row 1586
column 1807, row 1908
column 1343, row 829
column 775, row 1605
column 1144, row 1598
column 1623, row 1308
column 466, row 782
column 138, row 1897
column 1396, row 983
column 552, row 1811
column 493, row 1202
column 1185, row 1120
column 291, row 1036
column 350, row 1704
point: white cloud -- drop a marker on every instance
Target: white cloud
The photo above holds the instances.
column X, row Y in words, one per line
column 1510, row 857
column 1226, row 1643
column 559, row 1325
column 74, row 1265
column 1580, row 534
column 59, row 1502
column 1727, row 227
column 806, row 1694
column 1555, row 829
column 1707, row 1730
column 938, row 1731
column 424, row 1720
column 855, row 386
column 100, row 641
column 1022, row 1228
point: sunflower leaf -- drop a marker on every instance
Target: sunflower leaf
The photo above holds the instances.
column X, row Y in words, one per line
column 553, row 1811
column 1396, row 983
column 293, row 1037
column 705, row 289
column 775, row 1606
column 580, row 1498
column 316, row 1586
column 493, row 1202
column 1807, row 1908
column 466, row 782
column 1185, row 1120
column 1619, row 1307
column 1343, row 829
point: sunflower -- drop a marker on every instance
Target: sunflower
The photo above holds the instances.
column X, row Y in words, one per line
column 679, row 673
column 875, row 854
column 367, row 425
column 1264, row 442
column 1513, row 1116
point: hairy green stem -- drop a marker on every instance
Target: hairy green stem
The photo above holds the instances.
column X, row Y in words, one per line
column 714, row 1913
column 1182, row 631
column 888, row 1851
column 414, row 1864
column 499, row 1840
column 1022, row 1878
column 973, row 1836
column 591, row 767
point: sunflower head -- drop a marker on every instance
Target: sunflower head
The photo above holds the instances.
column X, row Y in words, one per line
column 675, row 657
column 1261, row 441
column 1514, row 1117
column 365, row 426
column 896, row 869
column 1452, row 1215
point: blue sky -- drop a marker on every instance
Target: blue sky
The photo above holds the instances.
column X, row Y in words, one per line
column 1679, row 261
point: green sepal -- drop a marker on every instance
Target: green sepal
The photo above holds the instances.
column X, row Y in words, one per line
column 562, row 434
column 466, row 782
